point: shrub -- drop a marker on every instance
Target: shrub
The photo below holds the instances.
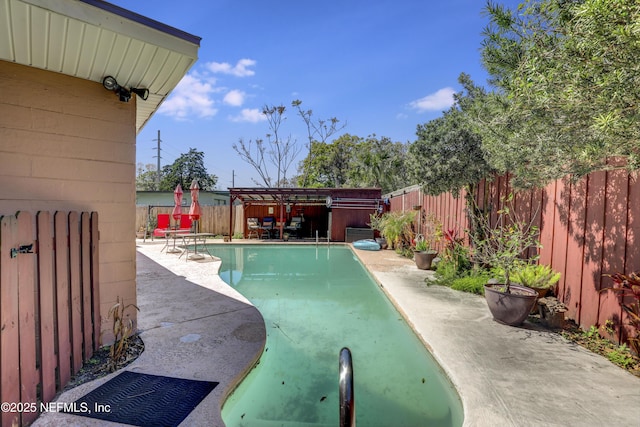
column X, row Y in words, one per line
column 473, row 284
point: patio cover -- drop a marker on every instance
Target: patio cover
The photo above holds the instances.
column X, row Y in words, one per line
column 333, row 198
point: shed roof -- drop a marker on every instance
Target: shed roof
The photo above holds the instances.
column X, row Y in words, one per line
column 368, row 198
column 91, row 39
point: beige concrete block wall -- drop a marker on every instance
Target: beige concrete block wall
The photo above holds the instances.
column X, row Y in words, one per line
column 68, row 144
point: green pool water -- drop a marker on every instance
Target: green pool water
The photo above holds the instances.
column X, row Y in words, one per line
column 316, row 300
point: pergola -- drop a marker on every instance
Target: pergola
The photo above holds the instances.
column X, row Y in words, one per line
column 333, row 198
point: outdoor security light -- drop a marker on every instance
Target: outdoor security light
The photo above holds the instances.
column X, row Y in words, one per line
column 111, row 84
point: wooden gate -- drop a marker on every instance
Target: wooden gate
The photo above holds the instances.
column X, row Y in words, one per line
column 49, row 306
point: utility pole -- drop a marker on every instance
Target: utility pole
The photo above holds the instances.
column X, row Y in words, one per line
column 233, row 178
column 158, row 156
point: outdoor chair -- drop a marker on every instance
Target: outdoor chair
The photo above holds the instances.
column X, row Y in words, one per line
column 294, row 226
column 267, row 226
column 186, row 224
column 164, row 222
column 276, row 228
column 253, row 226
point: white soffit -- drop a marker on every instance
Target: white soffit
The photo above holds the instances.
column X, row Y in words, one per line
column 91, row 39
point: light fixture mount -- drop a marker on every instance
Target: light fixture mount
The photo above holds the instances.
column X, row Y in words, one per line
column 111, row 84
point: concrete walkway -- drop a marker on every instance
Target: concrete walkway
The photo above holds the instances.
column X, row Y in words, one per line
column 194, row 326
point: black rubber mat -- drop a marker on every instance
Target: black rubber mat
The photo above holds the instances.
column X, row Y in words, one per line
column 143, row 399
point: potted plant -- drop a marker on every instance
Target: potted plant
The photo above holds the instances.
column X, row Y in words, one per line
column 538, row 277
column 395, row 228
column 423, row 254
column 501, row 247
column 140, row 233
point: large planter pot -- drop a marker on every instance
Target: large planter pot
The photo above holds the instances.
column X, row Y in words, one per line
column 424, row 259
column 510, row 309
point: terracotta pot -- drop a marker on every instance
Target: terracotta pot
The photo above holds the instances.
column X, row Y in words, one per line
column 424, row 259
column 513, row 308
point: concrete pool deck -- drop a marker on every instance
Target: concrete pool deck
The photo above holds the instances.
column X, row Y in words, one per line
column 195, row 326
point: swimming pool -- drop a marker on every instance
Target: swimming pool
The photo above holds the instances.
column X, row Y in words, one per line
column 316, row 300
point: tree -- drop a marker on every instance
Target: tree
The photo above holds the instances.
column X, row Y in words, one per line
column 567, row 81
column 351, row 161
column 448, row 156
column 319, row 131
column 146, row 177
column 278, row 151
column 184, row 170
column 379, row 163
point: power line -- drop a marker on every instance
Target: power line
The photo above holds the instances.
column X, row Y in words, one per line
column 159, row 157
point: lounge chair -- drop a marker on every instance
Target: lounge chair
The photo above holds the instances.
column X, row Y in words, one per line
column 186, row 225
column 164, row 222
column 253, row 226
column 294, row 226
column 267, row 226
column 279, row 224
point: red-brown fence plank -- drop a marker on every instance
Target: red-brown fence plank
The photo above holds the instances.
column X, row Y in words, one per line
column 95, row 281
column 546, row 225
column 9, row 335
column 592, row 266
column 46, row 289
column 75, row 280
column 632, row 250
column 615, row 235
column 85, row 256
column 572, row 292
column 562, row 206
column 29, row 377
column 63, row 307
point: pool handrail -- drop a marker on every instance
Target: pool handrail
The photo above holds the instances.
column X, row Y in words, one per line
column 347, row 395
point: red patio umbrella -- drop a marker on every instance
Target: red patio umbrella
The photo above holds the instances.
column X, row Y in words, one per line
column 177, row 209
column 194, row 210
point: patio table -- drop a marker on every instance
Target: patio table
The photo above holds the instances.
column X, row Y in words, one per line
column 193, row 239
column 172, row 234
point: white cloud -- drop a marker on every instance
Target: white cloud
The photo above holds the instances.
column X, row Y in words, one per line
column 191, row 98
column 253, row 115
column 241, row 69
column 438, row 101
column 234, row 98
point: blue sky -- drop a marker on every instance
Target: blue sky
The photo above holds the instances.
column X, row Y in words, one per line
column 381, row 66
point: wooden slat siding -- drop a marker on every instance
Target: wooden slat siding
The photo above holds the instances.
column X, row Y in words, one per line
column 562, row 206
column 615, row 234
column 536, row 213
column 76, row 290
column 95, row 281
column 63, row 296
column 572, row 292
column 46, row 290
column 592, row 265
column 9, row 337
column 632, row 250
column 87, row 300
column 27, row 312
column 546, row 227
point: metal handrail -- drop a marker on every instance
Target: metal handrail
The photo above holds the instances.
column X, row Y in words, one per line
column 347, row 396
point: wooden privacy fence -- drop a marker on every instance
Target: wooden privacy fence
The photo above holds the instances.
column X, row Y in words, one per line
column 49, row 305
column 214, row 219
column 588, row 228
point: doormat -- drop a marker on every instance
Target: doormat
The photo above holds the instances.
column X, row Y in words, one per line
column 143, row 399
